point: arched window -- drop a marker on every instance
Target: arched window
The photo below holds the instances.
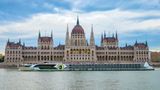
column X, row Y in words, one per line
column 75, row 42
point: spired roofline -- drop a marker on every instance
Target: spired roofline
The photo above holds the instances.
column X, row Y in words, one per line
column 45, row 38
column 79, row 30
column 77, row 20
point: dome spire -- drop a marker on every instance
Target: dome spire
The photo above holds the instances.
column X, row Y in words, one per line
column 77, row 20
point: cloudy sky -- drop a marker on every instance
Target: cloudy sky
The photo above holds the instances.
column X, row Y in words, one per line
column 132, row 19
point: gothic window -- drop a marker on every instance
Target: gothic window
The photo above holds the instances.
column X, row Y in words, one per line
column 92, row 53
column 44, row 57
column 75, row 42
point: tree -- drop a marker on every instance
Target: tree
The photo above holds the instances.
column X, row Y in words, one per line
column 155, row 56
column 1, row 58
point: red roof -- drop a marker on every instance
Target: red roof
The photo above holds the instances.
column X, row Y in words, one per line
column 78, row 29
column 30, row 47
column 127, row 47
column 45, row 39
column 109, row 39
column 141, row 45
column 13, row 45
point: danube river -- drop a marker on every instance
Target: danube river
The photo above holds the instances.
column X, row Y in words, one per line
column 12, row 79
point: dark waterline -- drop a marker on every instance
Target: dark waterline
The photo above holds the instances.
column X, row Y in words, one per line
column 12, row 79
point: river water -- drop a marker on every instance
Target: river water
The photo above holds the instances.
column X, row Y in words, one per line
column 12, row 79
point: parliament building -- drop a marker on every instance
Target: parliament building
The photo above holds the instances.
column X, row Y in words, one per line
column 76, row 50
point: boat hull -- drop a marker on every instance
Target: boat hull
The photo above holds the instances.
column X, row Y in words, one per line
column 88, row 67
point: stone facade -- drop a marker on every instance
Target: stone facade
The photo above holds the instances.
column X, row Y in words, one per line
column 76, row 50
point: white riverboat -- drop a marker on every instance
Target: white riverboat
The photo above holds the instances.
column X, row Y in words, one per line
column 87, row 67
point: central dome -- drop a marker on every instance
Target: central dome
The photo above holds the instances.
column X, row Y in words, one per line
column 78, row 28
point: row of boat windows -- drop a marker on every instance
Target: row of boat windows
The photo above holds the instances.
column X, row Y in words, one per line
column 106, row 66
column 115, row 53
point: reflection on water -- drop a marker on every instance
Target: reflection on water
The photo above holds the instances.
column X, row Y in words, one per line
column 12, row 79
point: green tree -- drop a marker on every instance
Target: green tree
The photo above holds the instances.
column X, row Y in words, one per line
column 1, row 58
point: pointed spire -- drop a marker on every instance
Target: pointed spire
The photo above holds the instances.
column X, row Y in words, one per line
column 101, row 38
column 104, row 34
column 136, row 42
column 67, row 28
column 92, row 28
column 67, row 36
column 8, row 40
column 146, row 43
column 116, row 35
column 39, row 34
column 92, row 43
column 19, row 41
column 77, row 20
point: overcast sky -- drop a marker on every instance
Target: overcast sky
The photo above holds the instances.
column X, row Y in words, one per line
column 132, row 19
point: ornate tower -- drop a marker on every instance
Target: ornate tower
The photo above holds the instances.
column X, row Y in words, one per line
column 109, row 41
column 92, row 42
column 78, row 36
column 67, row 37
column 45, row 42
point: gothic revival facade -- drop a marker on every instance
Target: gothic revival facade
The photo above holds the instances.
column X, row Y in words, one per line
column 76, row 50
